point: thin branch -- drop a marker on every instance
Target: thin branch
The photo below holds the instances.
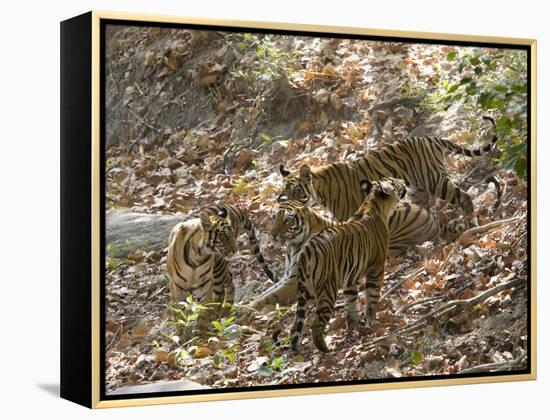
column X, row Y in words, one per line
column 489, row 226
column 400, row 282
column 418, row 302
column 463, row 303
column 492, row 367
column 115, row 335
column 152, row 127
column 446, row 308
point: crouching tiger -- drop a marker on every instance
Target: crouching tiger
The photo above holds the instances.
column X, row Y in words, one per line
column 339, row 256
column 420, row 161
column 197, row 256
column 295, row 222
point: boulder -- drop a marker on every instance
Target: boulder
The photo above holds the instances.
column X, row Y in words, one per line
column 161, row 386
column 126, row 231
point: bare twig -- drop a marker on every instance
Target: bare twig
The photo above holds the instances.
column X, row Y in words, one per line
column 141, row 120
column 492, row 367
column 419, row 302
column 446, row 308
column 139, row 90
column 463, row 303
column 400, row 282
column 489, row 226
column 115, row 335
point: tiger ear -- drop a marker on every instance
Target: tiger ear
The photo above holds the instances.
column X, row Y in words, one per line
column 222, row 212
column 206, row 222
column 282, row 198
column 284, row 172
column 305, row 173
column 366, row 186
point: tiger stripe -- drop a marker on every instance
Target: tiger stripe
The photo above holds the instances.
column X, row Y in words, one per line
column 197, row 256
column 339, row 256
column 420, row 161
column 295, row 222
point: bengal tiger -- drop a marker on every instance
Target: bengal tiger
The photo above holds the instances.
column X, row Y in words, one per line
column 417, row 160
column 294, row 222
column 197, row 256
column 339, row 256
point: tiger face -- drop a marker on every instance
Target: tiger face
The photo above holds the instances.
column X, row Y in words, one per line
column 297, row 185
column 288, row 225
column 219, row 234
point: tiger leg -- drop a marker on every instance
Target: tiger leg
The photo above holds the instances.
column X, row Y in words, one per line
column 375, row 278
column 221, row 274
column 352, row 307
column 298, row 325
column 229, row 296
column 446, row 190
column 203, row 322
column 204, row 297
column 283, row 293
column 177, row 293
column 325, row 308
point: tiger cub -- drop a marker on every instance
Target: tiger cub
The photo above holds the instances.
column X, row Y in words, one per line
column 197, row 256
column 420, row 161
column 339, row 256
column 294, row 222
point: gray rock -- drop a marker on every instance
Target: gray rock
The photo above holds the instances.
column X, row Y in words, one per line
column 127, row 231
column 443, row 123
column 161, row 386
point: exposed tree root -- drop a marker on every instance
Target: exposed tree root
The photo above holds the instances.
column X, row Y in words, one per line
column 448, row 308
column 497, row 367
column 486, row 228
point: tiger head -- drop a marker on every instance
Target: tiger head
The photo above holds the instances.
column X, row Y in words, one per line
column 288, row 221
column 382, row 196
column 297, row 185
column 219, row 235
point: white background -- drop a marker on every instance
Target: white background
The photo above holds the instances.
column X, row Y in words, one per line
column 29, row 234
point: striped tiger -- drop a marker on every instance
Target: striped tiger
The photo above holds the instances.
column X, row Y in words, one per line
column 197, row 256
column 294, row 222
column 339, row 256
column 417, row 160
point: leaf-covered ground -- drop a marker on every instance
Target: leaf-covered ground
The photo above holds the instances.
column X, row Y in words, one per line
column 200, row 117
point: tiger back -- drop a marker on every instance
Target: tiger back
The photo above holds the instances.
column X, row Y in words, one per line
column 420, row 161
column 339, row 256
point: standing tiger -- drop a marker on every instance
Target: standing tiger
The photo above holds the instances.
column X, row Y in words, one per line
column 418, row 160
column 339, row 256
column 294, row 222
column 197, row 252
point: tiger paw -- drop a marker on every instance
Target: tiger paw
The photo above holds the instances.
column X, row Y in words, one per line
column 319, row 340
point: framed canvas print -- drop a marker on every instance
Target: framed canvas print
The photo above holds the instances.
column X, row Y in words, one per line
column 254, row 209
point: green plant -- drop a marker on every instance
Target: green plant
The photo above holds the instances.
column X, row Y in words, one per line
column 223, row 327
column 275, row 361
column 271, row 61
column 242, row 186
column 111, row 262
column 187, row 312
column 229, row 355
column 492, row 82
